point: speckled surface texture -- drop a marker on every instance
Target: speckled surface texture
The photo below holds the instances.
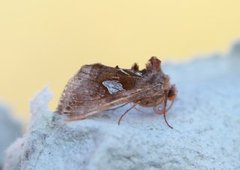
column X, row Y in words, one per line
column 10, row 130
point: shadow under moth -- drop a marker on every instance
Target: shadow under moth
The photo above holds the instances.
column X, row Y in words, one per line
column 96, row 88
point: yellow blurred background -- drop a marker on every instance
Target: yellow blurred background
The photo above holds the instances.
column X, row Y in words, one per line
column 46, row 41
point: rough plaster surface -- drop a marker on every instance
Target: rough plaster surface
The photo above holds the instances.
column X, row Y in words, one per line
column 205, row 117
column 10, row 129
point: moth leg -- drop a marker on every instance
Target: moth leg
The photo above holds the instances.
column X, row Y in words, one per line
column 165, row 111
column 170, row 106
column 126, row 113
column 140, row 110
column 156, row 109
column 117, row 107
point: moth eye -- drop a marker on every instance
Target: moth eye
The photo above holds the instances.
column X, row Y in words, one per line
column 68, row 108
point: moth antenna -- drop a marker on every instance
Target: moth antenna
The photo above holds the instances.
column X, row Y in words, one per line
column 126, row 113
column 165, row 111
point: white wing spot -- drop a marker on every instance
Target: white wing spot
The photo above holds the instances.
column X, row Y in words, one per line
column 113, row 86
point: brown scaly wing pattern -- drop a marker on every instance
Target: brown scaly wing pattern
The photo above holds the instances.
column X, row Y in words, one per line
column 96, row 88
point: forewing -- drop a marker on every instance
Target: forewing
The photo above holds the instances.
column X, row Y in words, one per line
column 93, row 89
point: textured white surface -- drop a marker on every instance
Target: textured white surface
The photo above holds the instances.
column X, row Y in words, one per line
column 205, row 117
column 10, row 129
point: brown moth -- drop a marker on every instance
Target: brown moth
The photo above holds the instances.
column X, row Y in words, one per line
column 96, row 88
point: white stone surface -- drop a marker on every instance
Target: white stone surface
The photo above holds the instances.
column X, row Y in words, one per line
column 205, row 117
column 10, row 129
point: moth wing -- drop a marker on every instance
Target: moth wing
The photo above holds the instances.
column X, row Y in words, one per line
column 93, row 89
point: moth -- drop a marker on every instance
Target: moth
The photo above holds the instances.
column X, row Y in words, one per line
column 96, row 88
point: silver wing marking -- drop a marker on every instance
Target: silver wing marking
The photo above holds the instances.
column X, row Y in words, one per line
column 113, row 86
